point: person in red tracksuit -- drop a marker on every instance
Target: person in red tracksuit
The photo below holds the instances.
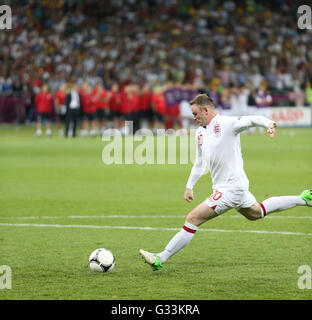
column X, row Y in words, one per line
column 159, row 106
column 135, row 103
column 146, row 114
column 115, row 105
column 126, row 105
column 101, row 99
column 60, row 107
column 88, row 107
column 44, row 104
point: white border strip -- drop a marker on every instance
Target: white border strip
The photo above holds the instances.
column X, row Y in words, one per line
column 148, row 228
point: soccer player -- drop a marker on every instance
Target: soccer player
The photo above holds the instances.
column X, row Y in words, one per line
column 219, row 149
column 115, row 105
column 44, row 103
column 159, row 106
column 145, row 111
column 88, row 111
column 101, row 98
column 126, row 108
column 60, row 107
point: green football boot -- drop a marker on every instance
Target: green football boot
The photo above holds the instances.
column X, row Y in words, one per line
column 306, row 195
column 152, row 259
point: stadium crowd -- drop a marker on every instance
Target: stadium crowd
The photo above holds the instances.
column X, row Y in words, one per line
column 124, row 53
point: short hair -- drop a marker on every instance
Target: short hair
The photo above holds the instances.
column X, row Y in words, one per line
column 203, row 100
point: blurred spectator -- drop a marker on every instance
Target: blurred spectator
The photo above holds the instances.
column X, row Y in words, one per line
column 225, row 102
column 214, row 94
column 263, row 101
column 239, row 100
column 17, row 88
column 151, row 42
column 297, row 97
column 263, row 98
column 132, row 42
column 308, row 94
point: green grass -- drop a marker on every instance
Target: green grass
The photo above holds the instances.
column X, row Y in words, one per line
column 52, row 179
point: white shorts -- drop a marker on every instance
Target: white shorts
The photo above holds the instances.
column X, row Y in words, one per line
column 224, row 199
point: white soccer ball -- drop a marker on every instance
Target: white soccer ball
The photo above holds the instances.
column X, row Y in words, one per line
column 101, row 260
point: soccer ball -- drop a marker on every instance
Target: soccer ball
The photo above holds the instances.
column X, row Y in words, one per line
column 101, row 260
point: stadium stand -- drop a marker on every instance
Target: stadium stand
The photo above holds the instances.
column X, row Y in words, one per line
column 209, row 45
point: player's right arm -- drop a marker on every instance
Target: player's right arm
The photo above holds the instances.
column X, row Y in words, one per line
column 197, row 171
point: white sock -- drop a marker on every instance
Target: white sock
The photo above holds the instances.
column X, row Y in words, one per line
column 280, row 204
column 179, row 241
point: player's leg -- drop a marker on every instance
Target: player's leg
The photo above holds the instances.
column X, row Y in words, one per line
column 67, row 123
column 94, row 125
column 194, row 219
column 39, row 125
column 251, row 213
column 59, row 121
column 274, row 204
column 48, row 125
column 75, row 121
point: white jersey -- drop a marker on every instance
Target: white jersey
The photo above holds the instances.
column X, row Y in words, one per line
column 218, row 147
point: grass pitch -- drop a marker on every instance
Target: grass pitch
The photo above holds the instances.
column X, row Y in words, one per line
column 59, row 202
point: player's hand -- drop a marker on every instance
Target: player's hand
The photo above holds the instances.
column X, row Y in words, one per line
column 271, row 130
column 188, row 195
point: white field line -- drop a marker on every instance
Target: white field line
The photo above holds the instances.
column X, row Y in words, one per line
column 148, row 228
column 120, row 216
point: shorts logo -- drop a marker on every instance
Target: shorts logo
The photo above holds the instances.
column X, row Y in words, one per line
column 216, row 196
column 200, row 139
column 217, row 129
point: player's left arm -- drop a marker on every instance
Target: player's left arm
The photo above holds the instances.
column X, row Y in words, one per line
column 241, row 124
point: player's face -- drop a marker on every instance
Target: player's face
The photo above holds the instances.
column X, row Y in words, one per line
column 200, row 116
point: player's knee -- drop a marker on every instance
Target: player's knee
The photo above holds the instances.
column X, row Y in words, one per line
column 253, row 216
column 192, row 218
